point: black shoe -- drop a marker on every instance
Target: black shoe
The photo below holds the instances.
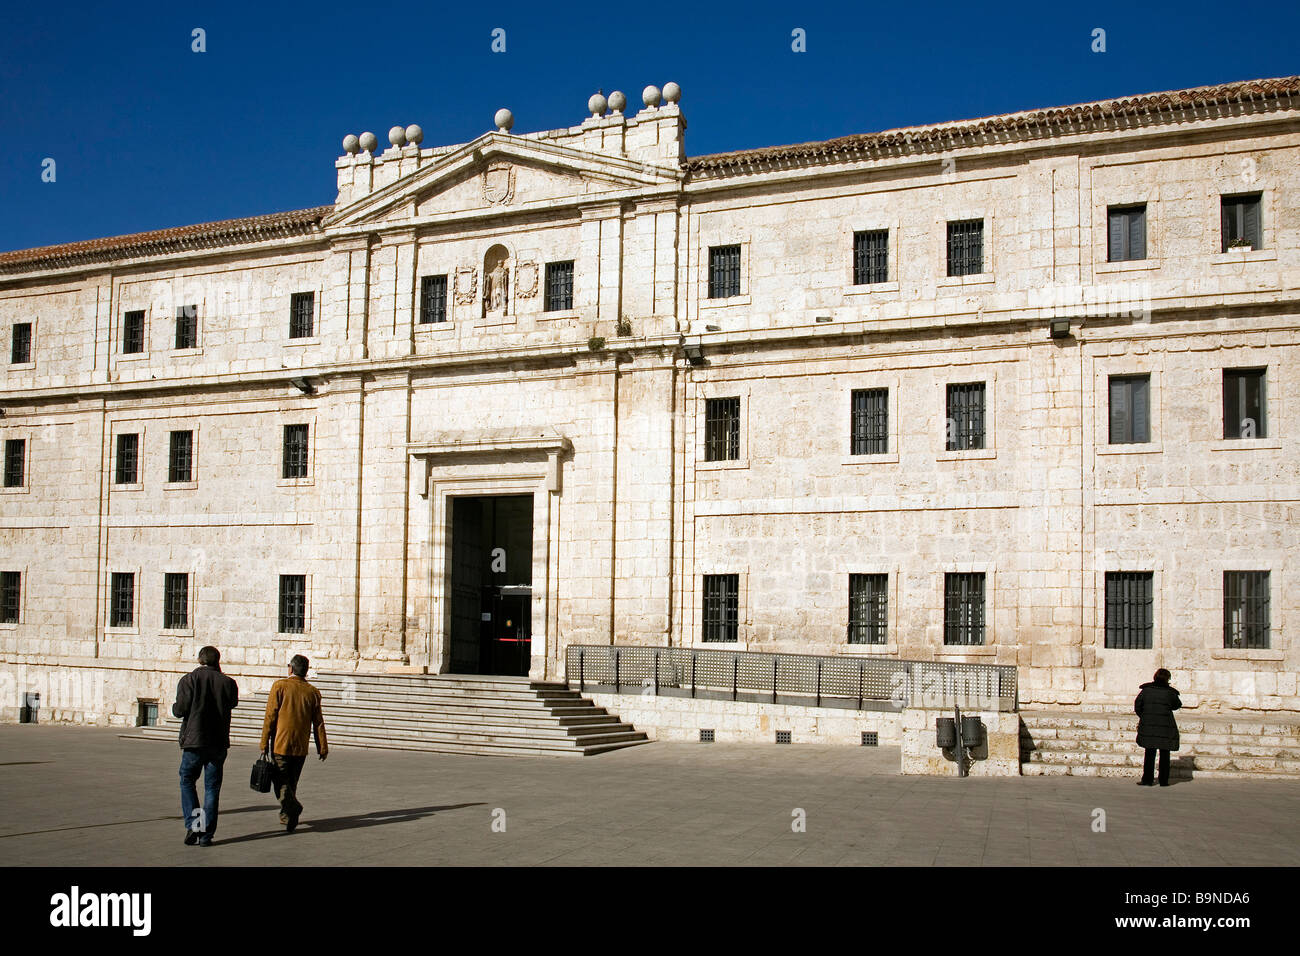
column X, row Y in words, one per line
column 1145, row 783
column 191, row 838
column 291, row 825
column 1164, row 783
column 205, row 840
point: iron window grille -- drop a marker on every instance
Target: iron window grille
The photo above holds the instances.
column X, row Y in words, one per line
column 966, row 247
column 1244, row 405
column 133, row 332
column 870, row 424
column 1129, row 609
column 176, row 601
column 722, row 607
column 128, row 459
column 724, row 271
column 187, row 327
column 871, row 257
column 295, row 451
column 1242, row 221
column 11, row 591
column 1127, row 233
column 868, row 608
column 433, row 299
column 706, row 736
column 180, row 460
column 302, row 313
column 722, row 429
column 1130, row 409
column 15, row 459
column 963, row 608
column 559, row 286
column 146, row 713
column 965, row 424
column 783, row 736
column 1246, row 609
column 20, row 350
column 293, row 603
column 122, row 600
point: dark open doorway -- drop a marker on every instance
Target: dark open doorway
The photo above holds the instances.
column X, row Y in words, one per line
column 491, row 584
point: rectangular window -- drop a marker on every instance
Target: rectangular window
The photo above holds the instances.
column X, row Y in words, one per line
column 722, row 429
column 1245, row 609
column 146, row 713
column 295, row 451
column 868, row 608
column 721, row 607
column 965, row 424
column 293, row 603
column 1243, row 403
column 1129, row 609
column 20, row 351
column 133, row 333
column 871, row 257
column 433, row 299
column 724, row 271
column 870, row 421
column 122, row 600
column 559, row 286
column 1127, row 231
column 15, row 459
column 180, row 459
column 187, row 326
column 176, row 601
column 1130, row 409
column 966, row 247
column 963, row 608
column 1242, row 222
column 302, row 313
column 128, row 460
column 11, row 594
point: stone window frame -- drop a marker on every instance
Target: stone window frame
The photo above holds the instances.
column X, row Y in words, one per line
column 856, row 224
column 317, row 317
column 721, row 389
column 193, row 482
column 448, row 324
column 1130, row 560
column 939, row 596
column 1231, row 184
column 1104, row 368
column 708, row 240
column 135, row 428
column 844, row 417
column 960, row 375
column 744, row 612
column 109, row 571
column 25, row 436
column 893, row 590
column 31, row 363
column 283, row 419
column 1274, row 406
column 939, row 240
column 285, row 637
column 1142, row 195
column 120, row 356
column 23, row 588
column 191, row 591
column 1277, row 568
column 199, row 311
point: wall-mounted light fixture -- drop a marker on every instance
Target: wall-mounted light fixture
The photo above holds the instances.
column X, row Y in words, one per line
column 824, row 318
column 694, row 354
column 302, row 385
column 1060, row 328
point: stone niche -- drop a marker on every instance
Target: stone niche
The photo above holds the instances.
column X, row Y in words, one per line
column 497, row 265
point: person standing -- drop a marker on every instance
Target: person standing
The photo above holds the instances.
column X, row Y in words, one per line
column 204, row 699
column 293, row 713
column 1157, row 730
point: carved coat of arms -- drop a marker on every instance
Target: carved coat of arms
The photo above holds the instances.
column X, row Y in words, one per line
column 466, row 285
column 499, row 184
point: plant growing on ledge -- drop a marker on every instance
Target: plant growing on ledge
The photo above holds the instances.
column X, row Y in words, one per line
column 596, row 343
column 624, row 328
column 1241, row 243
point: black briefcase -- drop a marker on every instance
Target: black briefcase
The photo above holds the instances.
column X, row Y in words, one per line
column 263, row 775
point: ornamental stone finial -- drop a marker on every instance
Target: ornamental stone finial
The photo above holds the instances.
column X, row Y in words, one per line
column 504, row 120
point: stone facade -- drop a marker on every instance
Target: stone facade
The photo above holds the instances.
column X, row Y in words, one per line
column 596, row 407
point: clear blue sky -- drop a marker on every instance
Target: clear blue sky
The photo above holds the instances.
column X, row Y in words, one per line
column 147, row 134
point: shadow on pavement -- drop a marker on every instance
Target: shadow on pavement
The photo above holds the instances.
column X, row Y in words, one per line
column 332, row 824
column 121, row 823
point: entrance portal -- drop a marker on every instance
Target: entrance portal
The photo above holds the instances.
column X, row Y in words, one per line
column 491, row 584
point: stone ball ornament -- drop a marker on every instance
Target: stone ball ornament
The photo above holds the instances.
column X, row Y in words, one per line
column 650, row 96
column 504, row 120
column 672, row 92
column 351, row 145
column 617, row 101
column 597, row 104
column 369, row 142
column 397, row 135
column 414, row 134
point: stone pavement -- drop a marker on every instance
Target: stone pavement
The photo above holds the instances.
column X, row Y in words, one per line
column 79, row 796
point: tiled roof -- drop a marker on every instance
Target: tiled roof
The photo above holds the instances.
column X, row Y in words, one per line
column 1058, row 121
column 208, row 235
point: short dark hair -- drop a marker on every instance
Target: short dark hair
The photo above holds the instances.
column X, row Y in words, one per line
column 298, row 664
column 1163, row 676
column 209, row 656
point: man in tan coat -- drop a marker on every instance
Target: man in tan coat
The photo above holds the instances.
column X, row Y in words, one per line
column 293, row 713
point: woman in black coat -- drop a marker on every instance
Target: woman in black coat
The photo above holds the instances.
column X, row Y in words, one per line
column 1157, row 731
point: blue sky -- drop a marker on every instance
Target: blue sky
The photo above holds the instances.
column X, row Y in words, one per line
column 147, row 134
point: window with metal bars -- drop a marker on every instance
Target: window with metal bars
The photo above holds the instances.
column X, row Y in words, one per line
column 722, row 429
column 180, row 458
column 128, row 459
column 11, row 596
column 871, row 256
column 187, row 326
column 293, row 603
column 963, row 608
column 1130, row 409
column 721, row 607
column 176, row 601
column 433, row 299
column 15, row 460
column 133, row 332
column 1126, row 233
column 870, row 426
column 868, row 608
column 1242, row 221
column 1245, row 609
column 295, row 451
column 965, row 424
column 966, row 247
column 122, row 600
column 724, row 271
column 20, row 351
column 559, row 286
column 302, row 314
column 1129, row 609
column 1244, row 405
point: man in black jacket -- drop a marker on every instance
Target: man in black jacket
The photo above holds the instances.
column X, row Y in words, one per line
column 1157, row 729
column 204, row 699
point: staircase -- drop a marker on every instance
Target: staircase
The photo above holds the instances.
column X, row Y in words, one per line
column 1091, row 744
column 466, row 715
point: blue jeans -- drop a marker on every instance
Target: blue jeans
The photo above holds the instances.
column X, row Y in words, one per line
column 211, row 761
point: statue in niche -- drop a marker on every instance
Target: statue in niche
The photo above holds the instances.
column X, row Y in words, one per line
column 496, row 280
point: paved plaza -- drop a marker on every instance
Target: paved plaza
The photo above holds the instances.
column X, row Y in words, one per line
column 80, row 796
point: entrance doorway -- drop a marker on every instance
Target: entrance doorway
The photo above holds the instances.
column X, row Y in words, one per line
column 491, row 584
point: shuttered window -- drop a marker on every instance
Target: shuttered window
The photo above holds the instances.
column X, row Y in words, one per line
column 963, row 608
column 722, row 429
column 1246, row 609
column 966, row 247
column 128, row 459
column 302, row 313
column 1241, row 221
column 1244, row 403
column 868, row 608
column 871, row 256
column 724, row 271
column 433, row 299
column 1130, row 409
column 1129, row 609
column 870, row 427
column 721, row 607
column 965, row 424
column 1127, row 229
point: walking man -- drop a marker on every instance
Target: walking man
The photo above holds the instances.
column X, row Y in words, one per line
column 292, row 714
column 1157, row 730
column 204, row 699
